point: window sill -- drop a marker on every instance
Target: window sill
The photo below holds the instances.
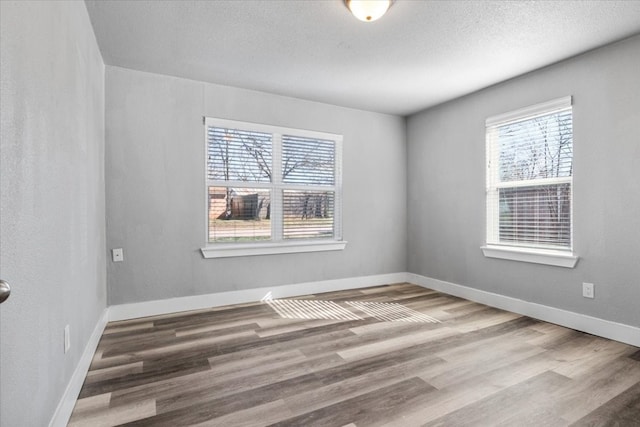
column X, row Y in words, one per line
column 536, row 256
column 226, row 250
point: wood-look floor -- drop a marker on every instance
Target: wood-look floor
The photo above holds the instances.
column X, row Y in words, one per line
column 244, row 365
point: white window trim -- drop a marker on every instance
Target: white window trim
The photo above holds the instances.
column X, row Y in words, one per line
column 559, row 258
column 529, row 112
column 272, row 247
column 226, row 250
column 536, row 256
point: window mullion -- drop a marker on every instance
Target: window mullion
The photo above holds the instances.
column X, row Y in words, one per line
column 534, row 182
column 276, row 189
column 303, row 187
column 240, row 184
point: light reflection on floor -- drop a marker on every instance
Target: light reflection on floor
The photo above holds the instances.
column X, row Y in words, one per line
column 330, row 310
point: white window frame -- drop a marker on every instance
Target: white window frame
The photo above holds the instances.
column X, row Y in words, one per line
column 277, row 245
column 492, row 248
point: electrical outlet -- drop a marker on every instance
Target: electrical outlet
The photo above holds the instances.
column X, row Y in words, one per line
column 588, row 290
column 67, row 339
column 117, row 255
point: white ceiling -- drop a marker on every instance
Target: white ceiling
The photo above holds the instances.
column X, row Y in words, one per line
column 420, row 54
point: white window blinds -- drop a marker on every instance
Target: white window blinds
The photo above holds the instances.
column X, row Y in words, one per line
column 308, row 175
column 308, row 161
column 267, row 183
column 530, row 176
column 237, row 155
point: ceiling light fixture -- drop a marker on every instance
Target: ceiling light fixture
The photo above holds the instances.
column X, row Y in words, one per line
column 368, row 10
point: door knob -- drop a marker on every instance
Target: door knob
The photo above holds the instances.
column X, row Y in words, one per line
column 5, row 291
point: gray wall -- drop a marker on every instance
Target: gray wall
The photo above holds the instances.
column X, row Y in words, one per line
column 446, row 177
column 52, row 238
column 156, row 194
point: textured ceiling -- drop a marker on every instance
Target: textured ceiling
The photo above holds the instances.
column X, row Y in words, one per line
column 420, row 54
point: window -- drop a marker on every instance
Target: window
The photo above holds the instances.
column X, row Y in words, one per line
column 271, row 189
column 530, row 184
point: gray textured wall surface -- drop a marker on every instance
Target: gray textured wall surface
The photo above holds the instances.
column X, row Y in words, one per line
column 52, row 226
column 446, row 187
column 413, row 192
column 155, row 188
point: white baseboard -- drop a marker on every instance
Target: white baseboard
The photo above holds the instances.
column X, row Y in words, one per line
column 65, row 407
column 197, row 302
column 580, row 322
